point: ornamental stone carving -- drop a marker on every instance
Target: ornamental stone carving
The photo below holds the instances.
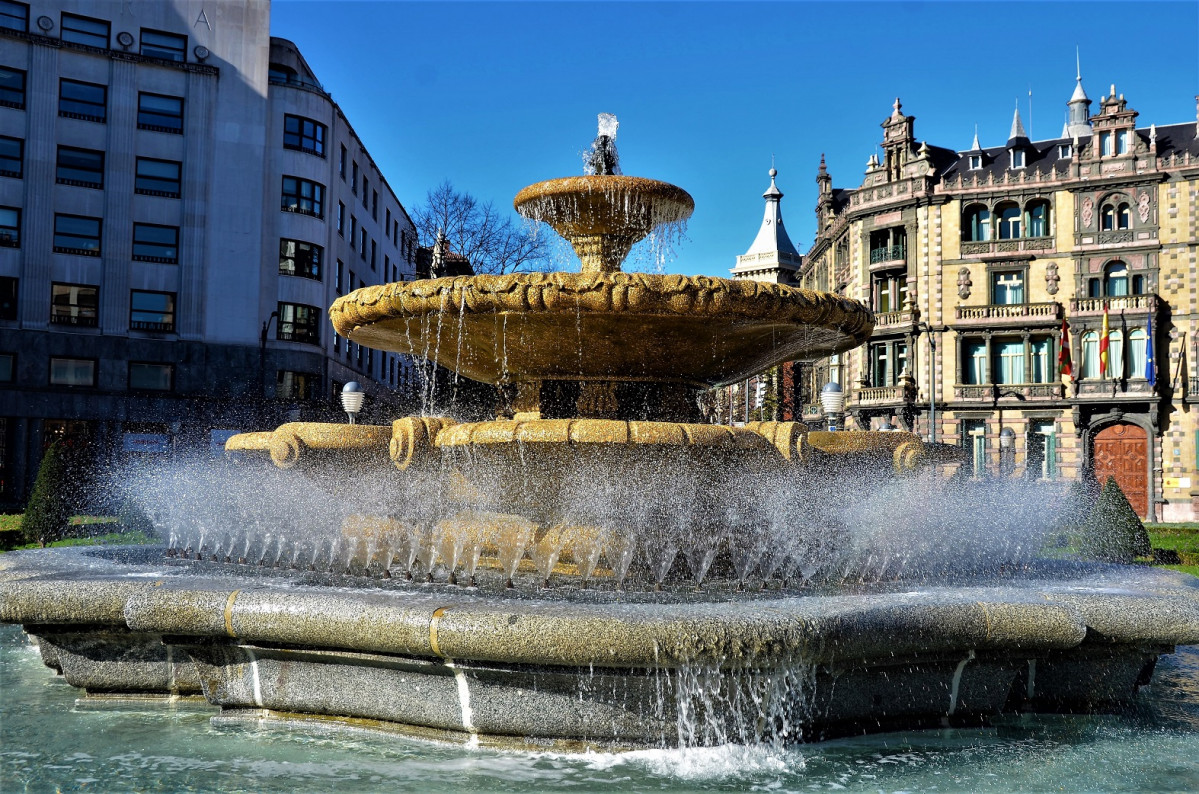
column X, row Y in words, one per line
column 1143, row 207
column 1051, row 278
column 964, row 283
column 1088, row 211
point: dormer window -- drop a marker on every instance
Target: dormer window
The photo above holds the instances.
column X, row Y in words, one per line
column 1065, row 151
column 976, row 162
column 1017, row 158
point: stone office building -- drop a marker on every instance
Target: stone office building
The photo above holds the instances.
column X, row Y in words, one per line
column 973, row 260
column 180, row 201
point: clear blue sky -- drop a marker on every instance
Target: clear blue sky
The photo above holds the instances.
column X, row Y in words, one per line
column 495, row 96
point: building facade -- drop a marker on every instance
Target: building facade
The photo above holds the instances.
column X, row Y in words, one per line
column 180, row 202
column 983, row 264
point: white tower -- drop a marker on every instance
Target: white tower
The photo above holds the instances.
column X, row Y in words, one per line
column 772, row 257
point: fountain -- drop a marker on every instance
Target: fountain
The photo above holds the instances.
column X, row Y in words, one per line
column 597, row 566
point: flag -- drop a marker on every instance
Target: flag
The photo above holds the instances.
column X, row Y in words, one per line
column 1065, row 366
column 1150, row 364
column 1104, row 342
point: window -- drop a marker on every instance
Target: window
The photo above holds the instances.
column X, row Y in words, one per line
column 387, row 223
column 974, row 362
column 1017, row 158
column 1065, row 151
column 974, row 438
column 8, row 368
column 1042, row 452
column 158, row 177
column 74, row 304
column 299, row 323
column 80, row 167
column 366, row 186
column 151, row 311
column 1123, row 217
column 1007, row 287
column 1090, row 355
column 341, row 219
column 85, row 30
column 1041, row 358
column 1106, row 144
column 14, row 16
column 10, row 227
column 297, row 258
column 976, row 162
column 375, row 204
column 87, row 101
column 74, row 234
column 1136, row 353
column 354, row 178
column 1009, row 361
column 1115, row 279
column 1123, row 142
column 159, row 113
column 890, row 291
column 154, row 243
column 1115, row 354
column 1009, row 221
column 362, row 245
column 976, row 224
column 304, row 135
column 303, row 196
column 341, row 164
column 888, row 360
column 12, row 157
column 888, row 244
column 148, row 376
column 340, row 271
column 296, row 385
column 353, row 232
column 73, row 371
column 1038, row 218
column 12, row 88
column 167, row 46
column 8, row 298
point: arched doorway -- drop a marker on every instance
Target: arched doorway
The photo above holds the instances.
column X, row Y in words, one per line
column 1121, row 450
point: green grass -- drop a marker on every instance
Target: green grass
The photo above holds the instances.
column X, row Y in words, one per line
column 10, row 533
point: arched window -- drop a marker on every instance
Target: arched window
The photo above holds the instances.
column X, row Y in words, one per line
column 1115, row 354
column 1009, row 221
column 976, row 224
column 1037, row 214
column 1107, row 218
column 1123, row 217
column 1136, row 353
column 1115, row 279
column 1090, row 355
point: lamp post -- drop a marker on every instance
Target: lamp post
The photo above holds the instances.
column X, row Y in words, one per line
column 1007, row 452
column 351, row 399
column 932, row 386
column 832, row 400
column 262, row 362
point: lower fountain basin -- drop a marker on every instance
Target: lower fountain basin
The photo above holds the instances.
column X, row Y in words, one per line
column 580, row 668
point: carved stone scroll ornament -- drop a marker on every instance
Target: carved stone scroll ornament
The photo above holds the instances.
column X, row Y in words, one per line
column 964, row 283
column 1143, row 207
column 1088, row 211
column 1051, row 278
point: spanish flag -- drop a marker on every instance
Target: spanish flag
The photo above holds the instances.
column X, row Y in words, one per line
column 1065, row 365
column 1104, row 343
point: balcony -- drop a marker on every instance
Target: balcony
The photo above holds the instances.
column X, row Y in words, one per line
column 889, row 255
column 1004, row 392
column 1192, row 394
column 985, row 247
column 1009, row 314
column 885, row 395
column 1118, row 388
column 902, row 320
column 1137, row 303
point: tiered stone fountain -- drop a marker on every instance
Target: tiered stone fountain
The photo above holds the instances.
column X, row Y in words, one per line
column 500, row 598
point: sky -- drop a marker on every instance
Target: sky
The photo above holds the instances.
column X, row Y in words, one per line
column 495, row 96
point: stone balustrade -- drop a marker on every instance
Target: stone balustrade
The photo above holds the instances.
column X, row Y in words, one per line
column 996, row 392
column 984, row 247
column 1138, row 303
column 1008, row 314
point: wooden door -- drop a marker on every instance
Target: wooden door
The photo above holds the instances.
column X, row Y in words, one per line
column 1122, row 451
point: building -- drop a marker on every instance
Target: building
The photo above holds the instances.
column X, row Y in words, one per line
column 979, row 263
column 180, row 202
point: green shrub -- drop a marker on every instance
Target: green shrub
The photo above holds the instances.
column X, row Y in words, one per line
column 1113, row 532
column 48, row 514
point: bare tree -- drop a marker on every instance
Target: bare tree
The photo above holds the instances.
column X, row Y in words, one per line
column 492, row 242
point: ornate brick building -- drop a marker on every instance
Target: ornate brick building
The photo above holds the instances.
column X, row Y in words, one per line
column 976, row 261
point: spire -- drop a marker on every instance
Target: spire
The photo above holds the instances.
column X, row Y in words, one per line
column 772, row 257
column 974, row 147
column 823, row 179
column 1078, row 118
column 1017, row 136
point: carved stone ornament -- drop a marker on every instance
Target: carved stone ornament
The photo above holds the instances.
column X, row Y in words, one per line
column 1143, row 207
column 1051, row 278
column 1088, row 211
column 964, row 283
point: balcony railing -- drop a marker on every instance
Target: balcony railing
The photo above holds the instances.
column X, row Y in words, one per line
column 1192, row 394
column 1144, row 303
column 872, row 395
column 888, row 253
column 892, row 320
column 984, row 247
column 84, row 320
column 1008, row 313
column 1105, row 387
column 994, row 392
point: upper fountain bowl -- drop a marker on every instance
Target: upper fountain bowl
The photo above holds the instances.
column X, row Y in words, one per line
column 603, row 216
